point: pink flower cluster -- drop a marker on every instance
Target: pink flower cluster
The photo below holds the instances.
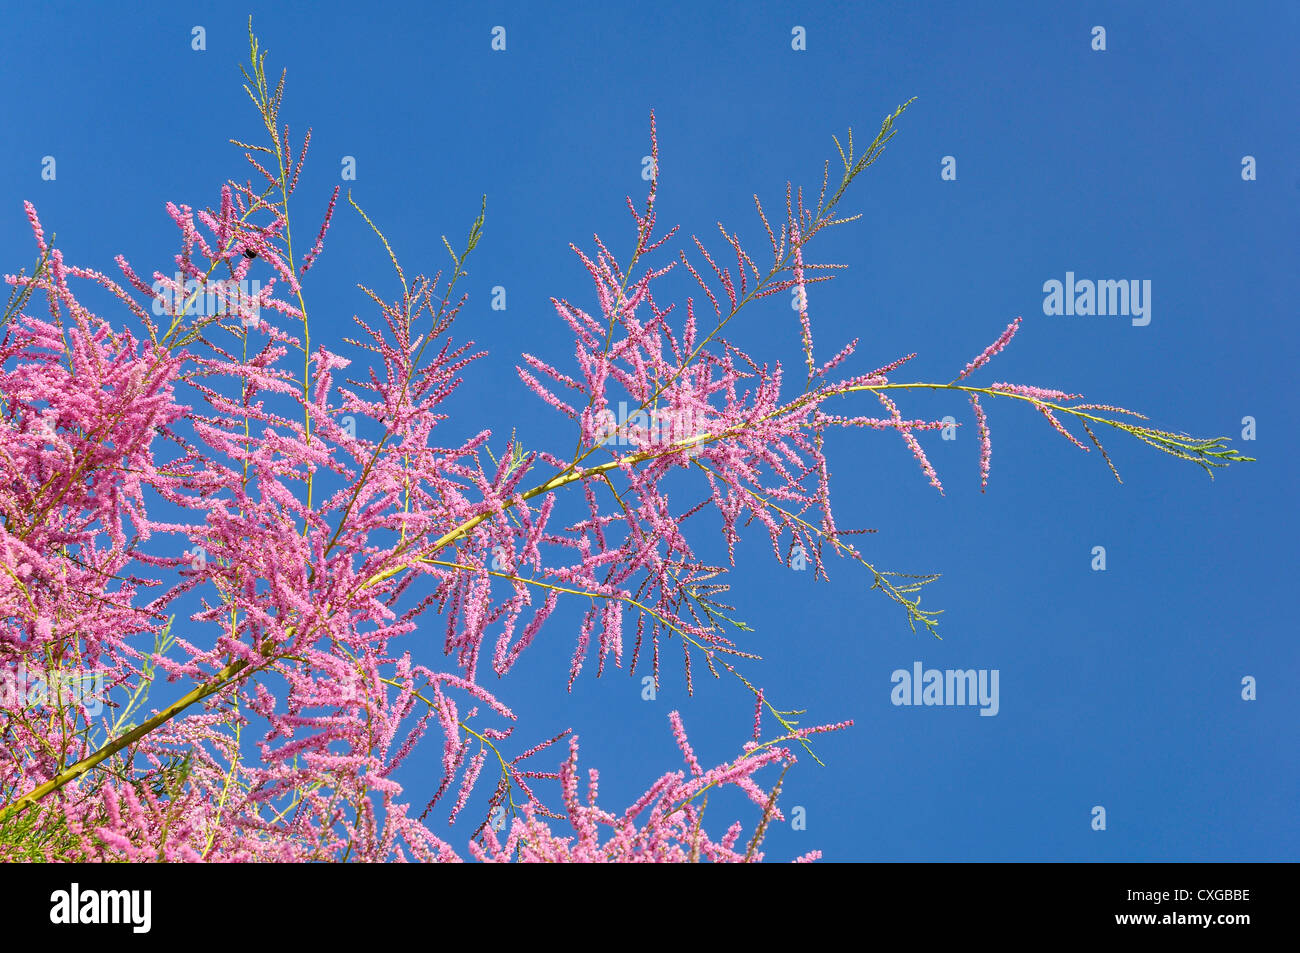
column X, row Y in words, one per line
column 302, row 553
column 251, row 539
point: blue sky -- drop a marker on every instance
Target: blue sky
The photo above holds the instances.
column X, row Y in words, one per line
column 1119, row 688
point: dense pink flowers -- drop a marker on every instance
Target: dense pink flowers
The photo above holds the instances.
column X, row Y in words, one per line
column 302, row 593
column 246, row 540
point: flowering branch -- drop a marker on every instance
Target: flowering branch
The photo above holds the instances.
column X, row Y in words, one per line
column 312, row 549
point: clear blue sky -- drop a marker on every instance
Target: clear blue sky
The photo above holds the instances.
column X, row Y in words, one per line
column 1119, row 688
